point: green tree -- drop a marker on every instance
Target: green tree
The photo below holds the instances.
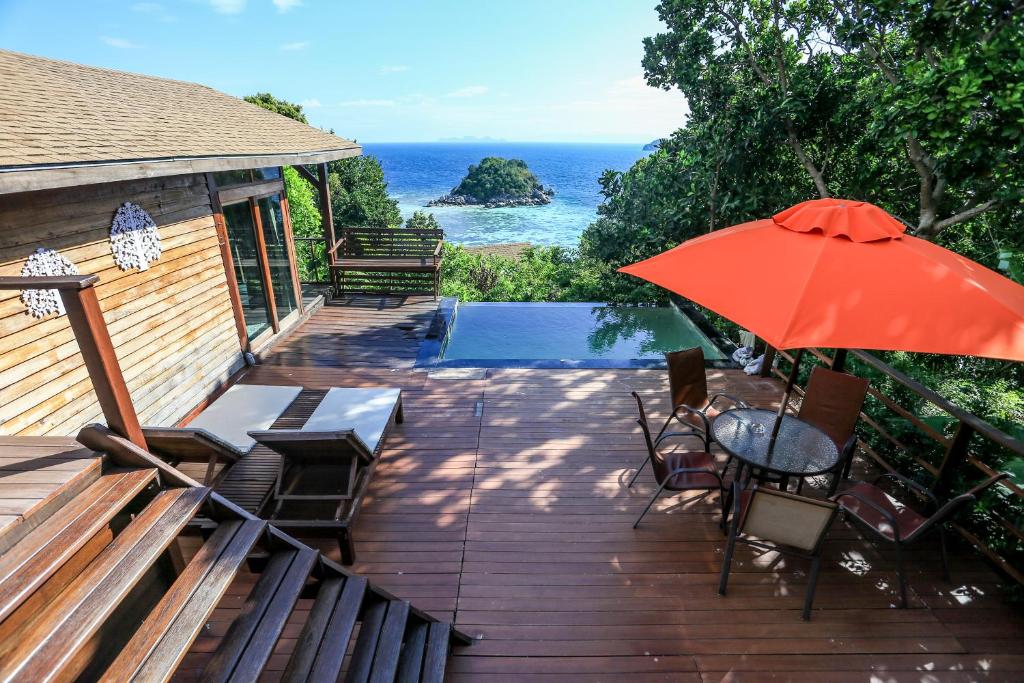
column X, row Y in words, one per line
column 306, row 222
column 359, row 194
column 423, row 220
column 282, row 107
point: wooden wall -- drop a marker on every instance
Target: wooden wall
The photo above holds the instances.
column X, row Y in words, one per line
column 172, row 324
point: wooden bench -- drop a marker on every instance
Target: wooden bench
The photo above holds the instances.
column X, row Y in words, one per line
column 387, row 260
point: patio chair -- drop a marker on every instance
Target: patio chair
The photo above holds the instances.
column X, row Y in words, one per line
column 832, row 403
column 678, row 470
column 781, row 522
column 888, row 519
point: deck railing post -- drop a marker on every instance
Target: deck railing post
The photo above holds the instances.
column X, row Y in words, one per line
column 839, row 360
column 769, row 361
column 83, row 310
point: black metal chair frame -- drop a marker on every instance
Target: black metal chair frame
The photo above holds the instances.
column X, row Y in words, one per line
column 734, row 537
column 937, row 521
column 652, row 447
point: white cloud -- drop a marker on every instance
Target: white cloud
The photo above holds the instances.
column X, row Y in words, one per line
column 367, row 103
column 311, row 103
column 285, row 5
column 469, row 91
column 120, row 43
column 295, row 47
column 228, row 6
column 394, row 69
column 155, row 10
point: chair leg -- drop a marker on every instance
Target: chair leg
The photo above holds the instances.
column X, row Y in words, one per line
column 945, row 556
column 637, row 473
column 812, row 585
column 348, row 549
column 901, row 571
column 649, row 504
column 723, row 580
column 725, row 470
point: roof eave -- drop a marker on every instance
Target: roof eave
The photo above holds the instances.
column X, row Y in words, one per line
column 51, row 176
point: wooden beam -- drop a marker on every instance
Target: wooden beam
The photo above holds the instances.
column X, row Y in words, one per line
column 326, row 213
column 309, row 177
column 261, row 246
column 289, row 246
column 264, row 188
column 229, row 264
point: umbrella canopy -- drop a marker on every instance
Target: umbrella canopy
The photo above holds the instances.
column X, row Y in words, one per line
column 842, row 274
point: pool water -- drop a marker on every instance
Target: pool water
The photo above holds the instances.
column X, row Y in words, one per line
column 569, row 332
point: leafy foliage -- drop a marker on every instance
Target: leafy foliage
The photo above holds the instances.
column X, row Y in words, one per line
column 359, row 194
column 495, row 177
column 282, row 107
column 422, row 220
column 306, row 222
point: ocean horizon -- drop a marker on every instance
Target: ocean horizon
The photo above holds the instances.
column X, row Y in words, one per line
column 417, row 172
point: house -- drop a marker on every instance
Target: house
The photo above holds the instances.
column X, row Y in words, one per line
column 77, row 143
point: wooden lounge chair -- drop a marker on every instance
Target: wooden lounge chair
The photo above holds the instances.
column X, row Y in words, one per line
column 895, row 522
column 326, row 466
column 219, row 434
column 692, row 470
column 782, row 522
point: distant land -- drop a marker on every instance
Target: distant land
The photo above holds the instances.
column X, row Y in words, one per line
column 472, row 138
column 653, row 145
column 497, row 183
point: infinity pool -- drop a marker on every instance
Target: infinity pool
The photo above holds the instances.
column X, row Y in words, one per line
column 491, row 334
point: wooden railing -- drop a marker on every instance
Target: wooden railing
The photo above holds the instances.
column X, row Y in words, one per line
column 957, row 455
column 311, row 255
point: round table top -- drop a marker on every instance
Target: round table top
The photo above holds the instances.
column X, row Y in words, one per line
column 800, row 449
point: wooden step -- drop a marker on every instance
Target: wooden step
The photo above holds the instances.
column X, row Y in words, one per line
column 50, row 642
column 320, row 650
column 411, row 662
column 251, row 638
column 436, row 654
column 366, row 645
column 45, row 549
column 159, row 644
column 389, row 645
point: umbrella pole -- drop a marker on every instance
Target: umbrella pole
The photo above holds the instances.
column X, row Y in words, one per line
column 790, row 383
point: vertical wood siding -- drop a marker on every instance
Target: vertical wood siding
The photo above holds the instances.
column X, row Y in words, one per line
column 171, row 325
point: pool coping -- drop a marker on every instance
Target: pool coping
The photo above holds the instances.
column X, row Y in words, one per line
column 429, row 355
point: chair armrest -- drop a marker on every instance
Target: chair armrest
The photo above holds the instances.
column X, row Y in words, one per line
column 682, row 407
column 437, row 249
column 740, row 403
column 871, row 504
column 694, row 433
column 697, row 470
column 910, row 483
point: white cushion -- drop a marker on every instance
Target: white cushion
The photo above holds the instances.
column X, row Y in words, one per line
column 364, row 411
column 245, row 408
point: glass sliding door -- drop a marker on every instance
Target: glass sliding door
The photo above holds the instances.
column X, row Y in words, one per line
column 282, row 283
column 245, row 252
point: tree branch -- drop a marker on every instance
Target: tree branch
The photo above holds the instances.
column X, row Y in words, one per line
column 965, row 214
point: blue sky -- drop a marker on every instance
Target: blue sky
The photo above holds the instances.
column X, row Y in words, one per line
column 385, row 70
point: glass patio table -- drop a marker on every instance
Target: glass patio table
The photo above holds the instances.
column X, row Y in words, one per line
column 801, row 450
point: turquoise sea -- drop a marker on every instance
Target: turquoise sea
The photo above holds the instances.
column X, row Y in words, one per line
column 419, row 172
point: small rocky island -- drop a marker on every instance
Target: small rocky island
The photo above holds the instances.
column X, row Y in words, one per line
column 496, row 183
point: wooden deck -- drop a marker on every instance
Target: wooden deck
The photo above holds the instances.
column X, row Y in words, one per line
column 502, row 501
column 37, row 475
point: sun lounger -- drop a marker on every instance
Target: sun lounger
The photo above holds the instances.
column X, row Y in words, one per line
column 220, row 433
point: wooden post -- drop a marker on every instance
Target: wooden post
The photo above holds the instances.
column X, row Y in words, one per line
column 90, row 330
column 326, row 213
column 768, row 362
column 956, row 455
column 839, row 360
column 264, row 263
column 229, row 264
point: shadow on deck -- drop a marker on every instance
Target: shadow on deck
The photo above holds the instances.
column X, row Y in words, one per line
column 502, row 501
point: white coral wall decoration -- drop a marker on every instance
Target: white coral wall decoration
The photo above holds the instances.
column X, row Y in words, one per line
column 134, row 239
column 42, row 302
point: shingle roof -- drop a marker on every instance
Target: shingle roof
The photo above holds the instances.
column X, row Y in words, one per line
column 55, row 113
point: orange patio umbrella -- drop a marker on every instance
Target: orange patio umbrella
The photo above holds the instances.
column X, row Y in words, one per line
column 842, row 274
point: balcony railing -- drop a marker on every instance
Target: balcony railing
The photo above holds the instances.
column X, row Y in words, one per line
column 907, row 427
